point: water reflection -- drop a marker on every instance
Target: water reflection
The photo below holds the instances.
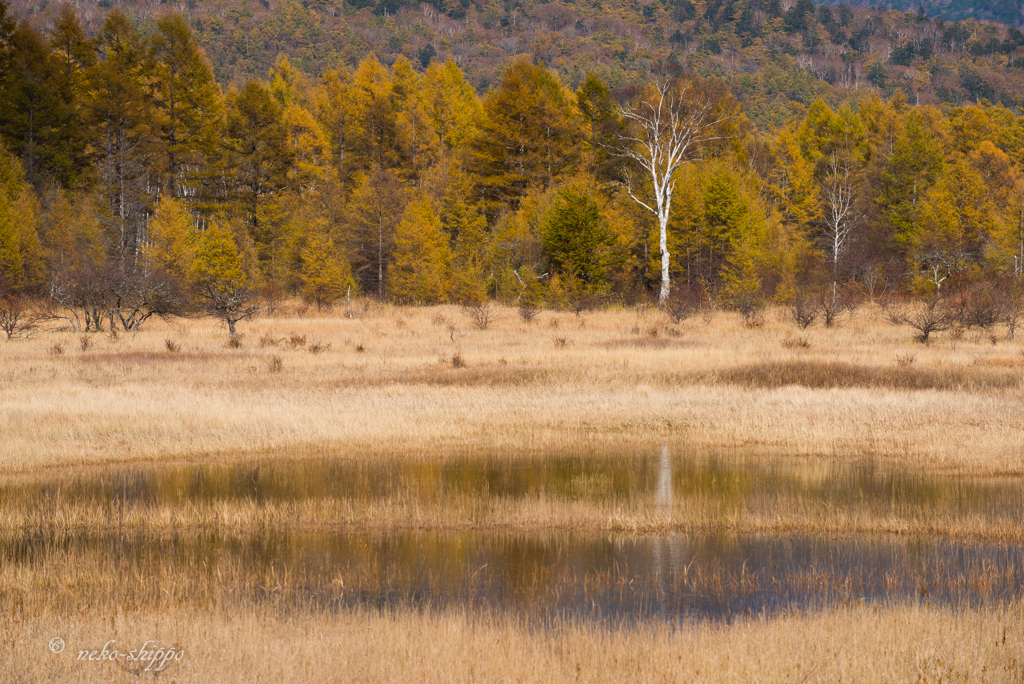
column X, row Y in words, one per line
column 663, row 480
column 589, row 576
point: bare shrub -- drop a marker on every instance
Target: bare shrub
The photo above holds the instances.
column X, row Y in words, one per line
column 275, row 364
column 873, row 284
column 685, row 302
column 750, row 304
column 235, row 342
column 124, row 292
column 296, row 341
column 977, row 306
column 1011, row 305
column 172, row 346
column 926, row 317
column 84, row 342
column 561, row 342
column 528, row 312
column 271, row 297
column 581, row 300
column 15, row 317
column 360, row 349
column 834, row 302
column 804, row 311
column 458, row 361
column 56, row 349
column 268, row 340
column 481, row 313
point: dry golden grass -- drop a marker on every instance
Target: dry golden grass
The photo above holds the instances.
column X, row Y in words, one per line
column 901, row 643
column 382, row 386
column 386, row 385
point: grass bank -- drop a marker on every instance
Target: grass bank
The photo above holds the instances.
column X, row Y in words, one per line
column 900, row 643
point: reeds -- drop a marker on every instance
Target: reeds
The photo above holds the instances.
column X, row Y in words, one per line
column 897, row 643
column 385, row 383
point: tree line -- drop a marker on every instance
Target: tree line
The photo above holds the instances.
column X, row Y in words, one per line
column 133, row 186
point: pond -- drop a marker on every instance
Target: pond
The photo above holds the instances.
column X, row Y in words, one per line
column 540, row 572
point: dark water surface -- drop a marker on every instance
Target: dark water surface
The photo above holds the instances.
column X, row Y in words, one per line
column 590, row 575
column 582, row 575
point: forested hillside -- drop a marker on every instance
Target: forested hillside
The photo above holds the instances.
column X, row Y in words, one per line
column 135, row 182
column 769, row 51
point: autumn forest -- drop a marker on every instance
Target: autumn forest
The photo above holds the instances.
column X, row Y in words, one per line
column 137, row 184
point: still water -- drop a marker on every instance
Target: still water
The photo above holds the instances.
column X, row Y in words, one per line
column 659, row 479
column 712, row 574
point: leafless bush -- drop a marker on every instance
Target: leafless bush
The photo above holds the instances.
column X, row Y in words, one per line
column 926, row 317
column 268, row 340
column 15, row 317
column 528, row 312
column 685, row 302
column 235, row 342
column 296, row 341
column 57, row 349
column 458, row 361
column 1011, row 305
column 481, row 313
column 172, row 346
column 753, row 315
column 124, row 292
column 275, row 364
column 84, row 342
column 804, row 311
column 873, row 284
column 561, row 342
column 977, row 306
column 834, row 302
column 581, row 300
column 271, row 297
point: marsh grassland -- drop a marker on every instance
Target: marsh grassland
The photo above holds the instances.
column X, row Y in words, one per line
column 404, row 496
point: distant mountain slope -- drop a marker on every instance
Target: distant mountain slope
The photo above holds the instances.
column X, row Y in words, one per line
column 1005, row 11
column 772, row 54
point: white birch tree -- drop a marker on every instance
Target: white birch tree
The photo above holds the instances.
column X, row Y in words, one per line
column 838, row 218
column 673, row 124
